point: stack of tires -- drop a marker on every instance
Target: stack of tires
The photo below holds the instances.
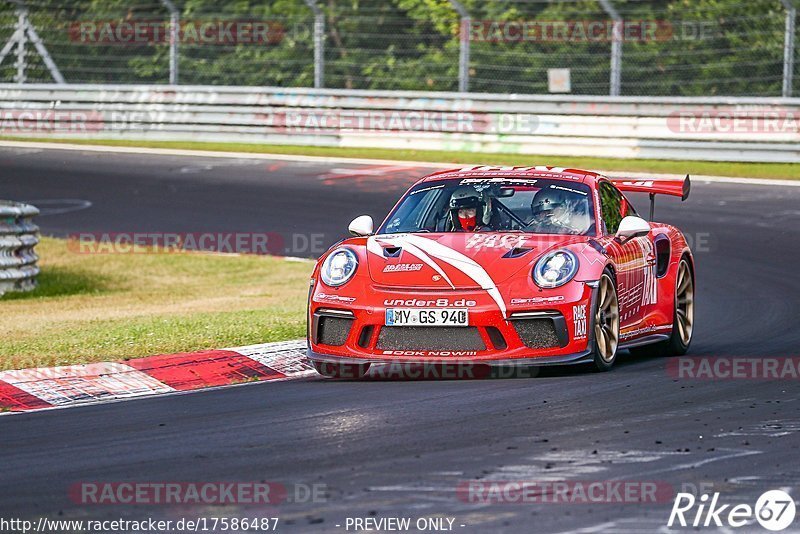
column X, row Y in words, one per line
column 18, row 237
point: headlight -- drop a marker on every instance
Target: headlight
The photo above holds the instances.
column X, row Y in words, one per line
column 555, row 269
column 339, row 267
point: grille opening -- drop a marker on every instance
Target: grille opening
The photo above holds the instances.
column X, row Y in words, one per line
column 366, row 336
column 430, row 338
column 537, row 333
column 333, row 330
column 496, row 338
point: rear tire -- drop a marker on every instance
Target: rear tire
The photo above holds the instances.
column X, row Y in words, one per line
column 682, row 321
column 606, row 324
column 341, row 370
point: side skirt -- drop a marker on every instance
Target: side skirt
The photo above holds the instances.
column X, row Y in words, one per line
column 647, row 340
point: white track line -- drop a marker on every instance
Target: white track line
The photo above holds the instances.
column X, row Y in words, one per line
column 363, row 161
column 215, row 154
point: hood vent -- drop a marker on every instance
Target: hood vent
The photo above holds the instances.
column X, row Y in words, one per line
column 516, row 252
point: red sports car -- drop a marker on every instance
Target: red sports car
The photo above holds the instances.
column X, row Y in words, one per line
column 505, row 266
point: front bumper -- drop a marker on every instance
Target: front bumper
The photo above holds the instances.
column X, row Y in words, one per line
column 566, row 359
column 550, row 328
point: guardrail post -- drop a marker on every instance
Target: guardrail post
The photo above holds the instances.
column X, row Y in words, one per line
column 464, row 46
column 18, row 236
column 788, row 47
column 174, row 38
column 616, row 48
column 21, row 64
column 319, row 44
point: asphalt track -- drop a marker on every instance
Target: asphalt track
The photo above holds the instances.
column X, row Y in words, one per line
column 401, row 448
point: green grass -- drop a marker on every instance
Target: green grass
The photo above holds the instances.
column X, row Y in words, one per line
column 747, row 170
column 108, row 307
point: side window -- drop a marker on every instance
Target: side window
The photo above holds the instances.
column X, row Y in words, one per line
column 613, row 206
column 409, row 215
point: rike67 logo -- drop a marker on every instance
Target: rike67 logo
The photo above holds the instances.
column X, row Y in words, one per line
column 774, row 510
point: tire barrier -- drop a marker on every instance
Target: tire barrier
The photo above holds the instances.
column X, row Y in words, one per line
column 18, row 237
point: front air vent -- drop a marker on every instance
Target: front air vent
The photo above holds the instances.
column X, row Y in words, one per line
column 537, row 333
column 430, row 338
column 331, row 327
column 541, row 330
column 496, row 337
column 517, row 252
column 366, row 336
column 392, row 252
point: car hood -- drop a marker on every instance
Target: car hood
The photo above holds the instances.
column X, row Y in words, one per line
column 456, row 260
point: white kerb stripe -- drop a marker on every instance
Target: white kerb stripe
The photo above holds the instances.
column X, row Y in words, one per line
column 60, row 386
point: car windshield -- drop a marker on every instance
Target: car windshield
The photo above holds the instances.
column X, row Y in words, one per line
column 541, row 206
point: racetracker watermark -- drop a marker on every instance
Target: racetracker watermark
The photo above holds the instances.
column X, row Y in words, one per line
column 428, row 371
column 748, row 121
column 50, row 120
column 580, row 31
column 565, row 492
column 213, row 493
column 349, row 120
column 588, row 31
column 189, row 32
column 269, row 243
column 147, row 525
column 568, row 31
column 735, row 368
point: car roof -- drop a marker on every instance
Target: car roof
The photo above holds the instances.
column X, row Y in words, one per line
column 537, row 171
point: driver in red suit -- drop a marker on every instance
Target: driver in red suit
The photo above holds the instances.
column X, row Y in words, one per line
column 470, row 210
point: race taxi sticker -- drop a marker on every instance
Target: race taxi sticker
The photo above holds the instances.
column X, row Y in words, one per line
column 579, row 319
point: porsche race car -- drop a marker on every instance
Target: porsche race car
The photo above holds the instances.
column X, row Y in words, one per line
column 505, row 266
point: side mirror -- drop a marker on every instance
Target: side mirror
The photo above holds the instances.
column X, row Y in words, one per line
column 632, row 227
column 361, row 226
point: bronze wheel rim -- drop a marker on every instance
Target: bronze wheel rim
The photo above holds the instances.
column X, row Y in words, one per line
column 684, row 303
column 606, row 320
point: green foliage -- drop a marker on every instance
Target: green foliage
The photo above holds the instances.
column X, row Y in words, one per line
column 703, row 47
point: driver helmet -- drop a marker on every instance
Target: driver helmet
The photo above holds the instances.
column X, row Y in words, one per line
column 550, row 206
column 467, row 208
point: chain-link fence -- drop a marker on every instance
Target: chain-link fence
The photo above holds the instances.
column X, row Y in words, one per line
column 601, row 47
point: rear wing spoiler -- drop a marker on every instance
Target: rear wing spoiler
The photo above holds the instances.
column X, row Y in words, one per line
column 675, row 188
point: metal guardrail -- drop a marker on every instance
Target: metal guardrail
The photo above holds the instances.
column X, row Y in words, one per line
column 694, row 128
column 18, row 237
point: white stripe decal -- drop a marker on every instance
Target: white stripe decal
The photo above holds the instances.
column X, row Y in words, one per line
column 466, row 265
column 376, row 249
column 419, row 253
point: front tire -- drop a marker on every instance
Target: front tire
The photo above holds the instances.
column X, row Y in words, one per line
column 606, row 324
column 341, row 370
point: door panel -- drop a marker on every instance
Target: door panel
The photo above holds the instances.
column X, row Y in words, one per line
column 636, row 279
column 635, row 259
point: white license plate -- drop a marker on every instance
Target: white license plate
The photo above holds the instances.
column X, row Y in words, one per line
column 427, row 317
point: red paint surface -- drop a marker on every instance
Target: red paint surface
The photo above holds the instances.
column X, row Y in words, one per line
column 14, row 399
column 204, row 369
